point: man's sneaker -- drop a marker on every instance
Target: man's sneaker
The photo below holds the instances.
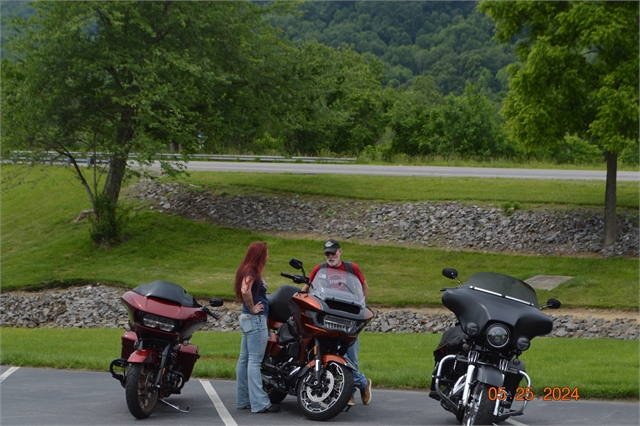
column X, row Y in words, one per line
column 365, row 393
column 352, row 401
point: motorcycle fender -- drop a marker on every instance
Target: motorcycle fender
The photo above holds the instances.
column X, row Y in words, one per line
column 489, row 375
column 144, row 356
column 326, row 359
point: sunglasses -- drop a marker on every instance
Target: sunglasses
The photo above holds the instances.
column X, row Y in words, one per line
column 329, row 254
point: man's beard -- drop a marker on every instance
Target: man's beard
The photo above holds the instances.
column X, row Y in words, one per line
column 333, row 261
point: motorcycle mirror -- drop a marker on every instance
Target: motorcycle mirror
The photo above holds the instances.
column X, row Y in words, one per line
column 553, row 303
column 216, row 302
column 450, row 273
column 297, row 264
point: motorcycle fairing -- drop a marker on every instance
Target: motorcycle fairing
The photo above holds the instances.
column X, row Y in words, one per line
column 472, row 305
column 166, row 308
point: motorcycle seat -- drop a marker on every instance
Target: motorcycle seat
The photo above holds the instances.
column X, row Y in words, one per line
column 279, row 302
column 287, row 332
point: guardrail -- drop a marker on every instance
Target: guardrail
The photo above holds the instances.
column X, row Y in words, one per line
column 52, row 157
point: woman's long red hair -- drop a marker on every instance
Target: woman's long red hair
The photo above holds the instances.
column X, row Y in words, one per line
column 253, row 263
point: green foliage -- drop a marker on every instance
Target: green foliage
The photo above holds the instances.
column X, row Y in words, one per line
column 575, row 150
column 631, row 154
column 341, row 104
column 465, row 125
column 108, row 221
column 449, row 41
column 136, row 77
column 578, row 72
column 510, row 207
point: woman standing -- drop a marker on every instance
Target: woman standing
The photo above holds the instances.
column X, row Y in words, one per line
column 251, row 291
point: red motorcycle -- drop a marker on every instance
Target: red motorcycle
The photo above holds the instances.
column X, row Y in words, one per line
column 157, row 359
column 310, row 333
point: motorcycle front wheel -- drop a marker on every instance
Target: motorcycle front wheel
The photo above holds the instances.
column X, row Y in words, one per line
column 328, row 398
column 140, row 391
column 480, row 408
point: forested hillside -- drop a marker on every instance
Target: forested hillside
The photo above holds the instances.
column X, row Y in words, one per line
column 371, row 79
column 9, row 9
column 450, row 41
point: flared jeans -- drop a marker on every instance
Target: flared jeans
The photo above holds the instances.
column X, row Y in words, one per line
column 249, row 389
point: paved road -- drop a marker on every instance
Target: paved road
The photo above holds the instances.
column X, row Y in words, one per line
column 306, row 168
column 35, row 396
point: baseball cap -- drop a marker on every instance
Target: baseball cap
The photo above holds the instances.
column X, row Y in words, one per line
column 331, row 246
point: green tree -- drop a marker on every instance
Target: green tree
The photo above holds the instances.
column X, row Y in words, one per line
column 133, row 77
column 425, row 123
column 341, row 106
column 577, row 75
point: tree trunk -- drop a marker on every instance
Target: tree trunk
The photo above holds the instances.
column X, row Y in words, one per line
column 610, row 217
column 118, row 161
column 113, row 184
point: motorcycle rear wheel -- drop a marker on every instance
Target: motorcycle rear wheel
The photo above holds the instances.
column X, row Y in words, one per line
column 480, row 409
column 331, row 397
column 140, row 393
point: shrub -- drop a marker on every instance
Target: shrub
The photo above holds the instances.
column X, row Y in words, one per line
column 109, row 220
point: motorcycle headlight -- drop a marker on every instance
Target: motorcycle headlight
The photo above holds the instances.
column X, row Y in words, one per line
column 332, row 322
column 161, row 323
column 523, row 343
column 497, row 336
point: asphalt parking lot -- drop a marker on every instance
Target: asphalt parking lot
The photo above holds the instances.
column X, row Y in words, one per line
column 38, row 396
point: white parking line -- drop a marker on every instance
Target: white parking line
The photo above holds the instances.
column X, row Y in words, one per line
column 7, row 373
column 217, row 402
column 515, row 423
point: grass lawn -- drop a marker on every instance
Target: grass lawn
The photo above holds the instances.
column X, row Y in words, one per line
column 599, row 368
column 42, row 246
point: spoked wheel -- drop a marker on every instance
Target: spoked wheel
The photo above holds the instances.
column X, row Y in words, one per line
column 329, row 397
column 140, row 391
column 275, row 395
column 480, row 408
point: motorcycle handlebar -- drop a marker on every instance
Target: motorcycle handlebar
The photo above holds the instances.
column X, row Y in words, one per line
column 208, row 312
column 297, row 278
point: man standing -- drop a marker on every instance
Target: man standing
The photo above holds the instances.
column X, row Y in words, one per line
column 333, row 252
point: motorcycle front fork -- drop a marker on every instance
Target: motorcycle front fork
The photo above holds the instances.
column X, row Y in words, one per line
column 469, row 380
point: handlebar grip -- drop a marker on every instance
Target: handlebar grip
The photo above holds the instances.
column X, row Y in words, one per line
column 208, row 312
column 284, row 274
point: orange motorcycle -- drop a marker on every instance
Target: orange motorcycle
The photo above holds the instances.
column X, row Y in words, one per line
column 309, row 334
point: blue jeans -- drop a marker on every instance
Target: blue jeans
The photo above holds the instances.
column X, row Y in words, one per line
column 359, row 379
column 249, row 389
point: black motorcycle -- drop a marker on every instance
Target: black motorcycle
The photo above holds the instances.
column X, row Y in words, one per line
column 477, row 374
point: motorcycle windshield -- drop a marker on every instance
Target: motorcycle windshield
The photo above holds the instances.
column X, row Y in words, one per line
column 504, row 285
column 166, row 290
column 336, row 284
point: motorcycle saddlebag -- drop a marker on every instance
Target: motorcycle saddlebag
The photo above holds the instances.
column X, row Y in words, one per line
column 451, row 343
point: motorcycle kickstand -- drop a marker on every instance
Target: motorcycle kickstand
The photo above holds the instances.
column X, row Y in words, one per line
column 174, row 406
